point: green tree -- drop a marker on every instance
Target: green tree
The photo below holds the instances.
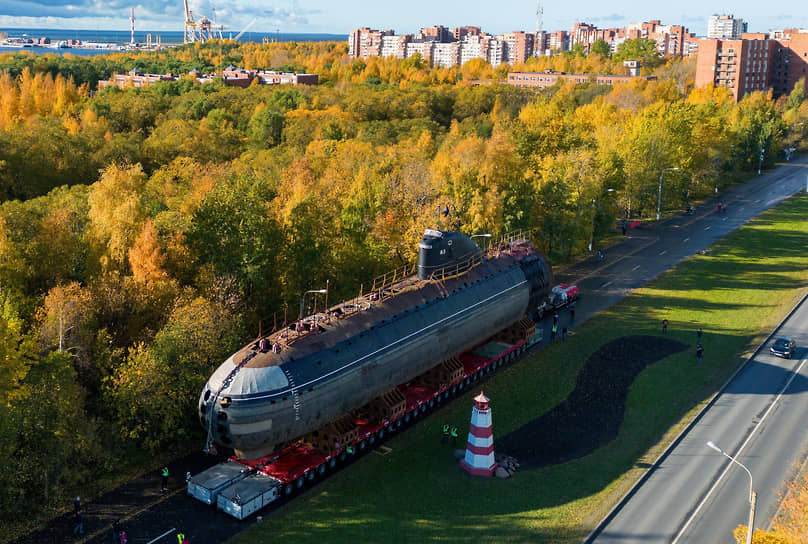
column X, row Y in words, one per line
column 600, row 47
column 639, row 49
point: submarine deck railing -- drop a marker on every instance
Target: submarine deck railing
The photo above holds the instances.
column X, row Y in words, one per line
column 383, row 288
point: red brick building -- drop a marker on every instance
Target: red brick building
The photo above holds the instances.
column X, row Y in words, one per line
column 543, row 80
column 754, row 63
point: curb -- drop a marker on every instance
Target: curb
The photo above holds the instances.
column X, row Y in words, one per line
column 677, row 440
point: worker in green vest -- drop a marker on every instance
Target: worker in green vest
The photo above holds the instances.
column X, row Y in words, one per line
column 349, row 449
column 164, row 480
column 180, row 537
column 454, row 435
column 445, row 438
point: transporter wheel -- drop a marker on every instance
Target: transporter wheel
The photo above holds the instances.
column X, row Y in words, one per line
column 342, row 456
column 372, row 439
column 363, row 445
column 380, row 433
column 299, row 482
column 454, row 389
column 310, row 475
column 431, row 403
column 288, row 489
column 332, row 463
column 321, row 469
column 407, row 417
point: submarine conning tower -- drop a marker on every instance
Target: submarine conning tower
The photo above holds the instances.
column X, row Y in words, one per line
column 446, row 253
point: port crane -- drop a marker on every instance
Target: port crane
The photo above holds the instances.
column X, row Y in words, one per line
column 202, row 30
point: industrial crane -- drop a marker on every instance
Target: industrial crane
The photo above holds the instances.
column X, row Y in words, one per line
column 202, row 30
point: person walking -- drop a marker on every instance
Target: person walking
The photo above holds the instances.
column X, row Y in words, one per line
column 124, row 538
column 553, row 332
column 78, row 524
column 664, row 326
column 445, row 434
column 564, row 334
column 698, row 335
column 164, row 480
column 116, row 532
column 699, row 351
column 454, row 435
column 180, row 537
column 77, row 504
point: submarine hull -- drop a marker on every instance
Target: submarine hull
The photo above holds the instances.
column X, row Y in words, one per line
column 355, row 361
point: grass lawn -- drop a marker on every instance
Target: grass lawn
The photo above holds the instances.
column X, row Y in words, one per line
column 417, row 493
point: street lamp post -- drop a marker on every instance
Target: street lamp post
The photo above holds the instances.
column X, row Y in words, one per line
column 303, row 298
column 752, row 494
column 659, row 193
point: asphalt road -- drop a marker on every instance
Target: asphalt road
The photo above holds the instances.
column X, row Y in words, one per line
column 694, row 494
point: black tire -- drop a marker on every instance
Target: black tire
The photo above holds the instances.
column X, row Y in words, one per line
column 332, row 463
column 288, row 489
column 299, row 482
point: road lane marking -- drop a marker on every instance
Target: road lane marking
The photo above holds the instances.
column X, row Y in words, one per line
column 635, row 268
column 707, row 228
column 605, row 284
column 685, row 240
column 162, row 535
column 794, row 374
column 664, row 251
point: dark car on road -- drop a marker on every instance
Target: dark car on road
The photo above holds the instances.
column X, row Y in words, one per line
column 784, row 347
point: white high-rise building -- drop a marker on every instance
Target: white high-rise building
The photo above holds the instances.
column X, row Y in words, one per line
column 725, row 27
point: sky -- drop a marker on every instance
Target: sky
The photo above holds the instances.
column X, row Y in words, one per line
column 340, row 16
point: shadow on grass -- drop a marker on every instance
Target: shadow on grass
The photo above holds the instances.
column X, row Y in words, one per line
column 592, row 414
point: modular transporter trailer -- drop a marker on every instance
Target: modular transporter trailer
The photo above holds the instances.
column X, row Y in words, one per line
column 242, row 487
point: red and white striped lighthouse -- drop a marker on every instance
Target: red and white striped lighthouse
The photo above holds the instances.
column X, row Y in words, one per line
column 479, row 459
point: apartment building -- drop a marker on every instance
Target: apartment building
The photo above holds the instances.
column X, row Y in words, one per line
column 364, row 42
column 512, row 48
column 756, row 62
column 725, row 27
column 790, row 60
column 519, row 46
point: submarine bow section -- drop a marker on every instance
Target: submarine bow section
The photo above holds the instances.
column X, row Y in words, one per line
column 260, row 398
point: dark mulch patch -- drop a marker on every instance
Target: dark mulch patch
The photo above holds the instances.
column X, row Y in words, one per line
column 591, row 415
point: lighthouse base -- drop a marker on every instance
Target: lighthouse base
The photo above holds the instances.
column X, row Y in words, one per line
column 478, row 471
